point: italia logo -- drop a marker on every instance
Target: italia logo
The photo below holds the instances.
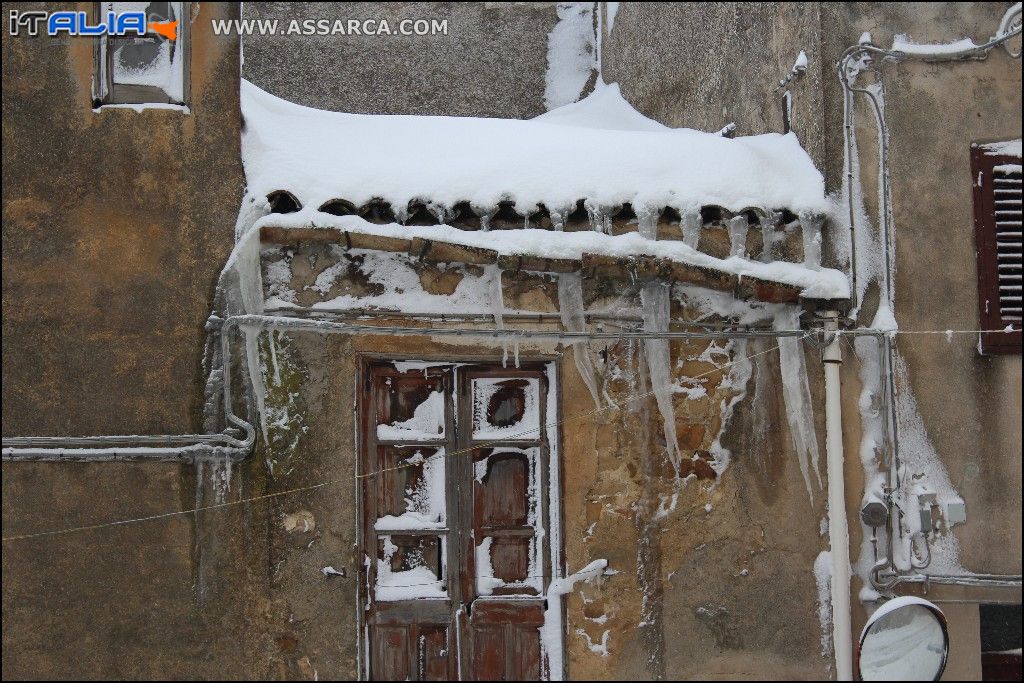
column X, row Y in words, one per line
column 80, row 24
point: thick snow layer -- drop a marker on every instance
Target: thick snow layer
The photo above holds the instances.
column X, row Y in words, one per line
column 318, row 155
column 604, row 109
column 825, row 283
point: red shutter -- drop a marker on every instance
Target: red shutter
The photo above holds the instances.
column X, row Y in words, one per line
column 997, row 223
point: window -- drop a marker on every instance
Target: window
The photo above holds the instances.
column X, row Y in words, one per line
column 457, row 473
column 150, row 69
column 996, row 169
column 1000, row 642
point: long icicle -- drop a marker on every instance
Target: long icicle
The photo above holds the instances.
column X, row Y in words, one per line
column 655, row 300
column 570, row 306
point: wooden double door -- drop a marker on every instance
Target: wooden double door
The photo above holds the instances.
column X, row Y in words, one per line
column 459, row 497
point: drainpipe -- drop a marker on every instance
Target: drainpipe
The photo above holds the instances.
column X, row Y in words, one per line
column 838, row 531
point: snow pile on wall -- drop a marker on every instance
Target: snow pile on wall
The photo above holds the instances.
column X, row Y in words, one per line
column 319, row 155
column 571, row 58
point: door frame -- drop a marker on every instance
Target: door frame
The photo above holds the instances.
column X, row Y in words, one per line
column 552, row 364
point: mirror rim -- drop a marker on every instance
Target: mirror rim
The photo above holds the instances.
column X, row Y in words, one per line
column 899, row 603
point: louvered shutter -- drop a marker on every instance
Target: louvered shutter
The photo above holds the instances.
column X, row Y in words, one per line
column 997, row 222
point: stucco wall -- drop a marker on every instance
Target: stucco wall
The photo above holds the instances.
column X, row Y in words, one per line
column 115, row 227
column 491, row 62
column 714, row 573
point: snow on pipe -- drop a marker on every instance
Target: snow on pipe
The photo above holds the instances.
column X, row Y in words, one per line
column 163, row 447
column 847, row 69
column 551, row 631
column 849, row 65
column 656, row 302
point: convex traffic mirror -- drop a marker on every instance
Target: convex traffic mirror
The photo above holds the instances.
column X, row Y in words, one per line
column 904, row 640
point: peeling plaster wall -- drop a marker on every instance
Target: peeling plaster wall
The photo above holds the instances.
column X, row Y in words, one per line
column 712, row 584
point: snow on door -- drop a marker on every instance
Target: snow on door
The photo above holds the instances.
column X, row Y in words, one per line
column 456, row 520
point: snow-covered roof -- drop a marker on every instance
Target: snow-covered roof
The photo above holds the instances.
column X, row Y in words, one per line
column 600, row 149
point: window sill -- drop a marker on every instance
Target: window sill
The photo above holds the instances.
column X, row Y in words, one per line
column 139, row 107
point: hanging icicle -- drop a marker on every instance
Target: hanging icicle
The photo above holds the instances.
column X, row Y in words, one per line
column 796, row 394
column 570, row 306
column 691, row 223
column 655, row 298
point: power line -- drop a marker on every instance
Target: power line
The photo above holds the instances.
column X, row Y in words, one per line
column 635, row 397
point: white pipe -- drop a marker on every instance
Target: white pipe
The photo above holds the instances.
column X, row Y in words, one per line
column 838, row 531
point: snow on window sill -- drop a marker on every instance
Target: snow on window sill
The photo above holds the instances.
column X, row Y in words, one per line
column 183, row 108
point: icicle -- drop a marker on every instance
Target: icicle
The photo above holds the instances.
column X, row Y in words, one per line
column 570, row 306
column 498, row 308
column 768, row 223
column 796, row 394
column 810, row 229
column 558, row 219
column 738, row 236
column 273, row 357
column 245, row 263
column 600, row 221
column 691, row 224
column 648, row 221
column 656, row 302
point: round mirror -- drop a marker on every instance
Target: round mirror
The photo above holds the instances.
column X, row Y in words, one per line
column 904, row 640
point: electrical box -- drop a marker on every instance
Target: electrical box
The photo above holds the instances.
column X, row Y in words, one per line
column 956, row 513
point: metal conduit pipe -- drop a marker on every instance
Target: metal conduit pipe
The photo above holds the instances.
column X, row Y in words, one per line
column 885, row 576
column 151, row 447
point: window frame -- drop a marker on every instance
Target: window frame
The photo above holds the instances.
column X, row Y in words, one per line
column 983, row 163
column 106, row 92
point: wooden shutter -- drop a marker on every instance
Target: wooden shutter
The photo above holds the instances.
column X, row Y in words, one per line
column 407, row 432
column 506, row 548
column 997, row 223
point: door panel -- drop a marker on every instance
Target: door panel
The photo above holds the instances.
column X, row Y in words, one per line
column 454, row 472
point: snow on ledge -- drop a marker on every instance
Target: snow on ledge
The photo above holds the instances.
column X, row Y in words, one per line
column 825, row 283
column 599, row 149
column 1010, row 148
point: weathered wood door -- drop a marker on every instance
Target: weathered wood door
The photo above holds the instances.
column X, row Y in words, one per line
column 457, row 483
